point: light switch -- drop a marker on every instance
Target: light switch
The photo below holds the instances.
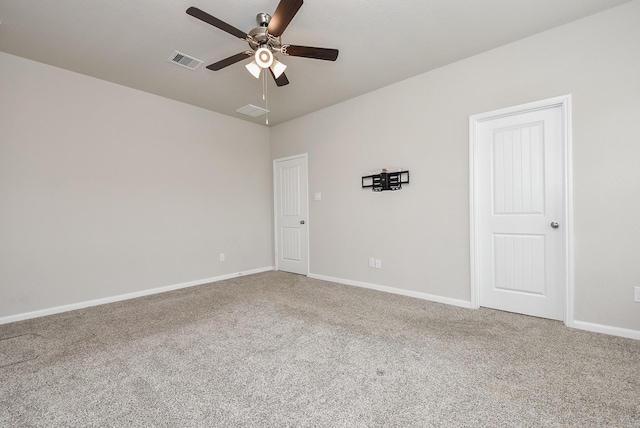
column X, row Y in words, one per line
column 317, row 196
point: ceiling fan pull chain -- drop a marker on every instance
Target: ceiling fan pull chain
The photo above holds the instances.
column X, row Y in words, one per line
column 265, row 95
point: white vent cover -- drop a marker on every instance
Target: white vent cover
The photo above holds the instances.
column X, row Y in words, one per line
column 251, row 110
column 184, row 60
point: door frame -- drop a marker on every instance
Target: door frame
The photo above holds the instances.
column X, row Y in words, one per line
column 564, row 102
column 305, row 157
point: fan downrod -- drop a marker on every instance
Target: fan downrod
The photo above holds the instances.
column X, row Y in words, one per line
column 263, row 19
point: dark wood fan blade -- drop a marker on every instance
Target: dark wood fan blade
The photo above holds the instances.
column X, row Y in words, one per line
column 228, row 61
column 283, row 15
column 204, row 16
column 310, row 52
column 280, row 81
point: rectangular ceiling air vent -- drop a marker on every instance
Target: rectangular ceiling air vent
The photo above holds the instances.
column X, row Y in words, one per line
column 184, row 60
column 251, row 110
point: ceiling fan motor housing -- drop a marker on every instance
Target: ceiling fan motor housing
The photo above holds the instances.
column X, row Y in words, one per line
column 258, row 37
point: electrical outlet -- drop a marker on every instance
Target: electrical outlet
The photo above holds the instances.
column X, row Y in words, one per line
column 636, row 294
column 378, row 263
column 372, row 262
column 221, row 257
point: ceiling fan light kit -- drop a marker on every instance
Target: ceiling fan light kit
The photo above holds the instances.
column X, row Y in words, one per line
column 264, row 57
column 254, row 69
column 278, row 68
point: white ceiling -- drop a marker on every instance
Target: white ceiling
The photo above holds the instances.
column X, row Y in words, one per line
column 380, row 41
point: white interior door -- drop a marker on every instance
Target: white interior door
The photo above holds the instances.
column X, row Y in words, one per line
column 291, row 207
column 520, row 213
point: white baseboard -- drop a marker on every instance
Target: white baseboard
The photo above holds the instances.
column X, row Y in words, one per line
column 424, row 296
column 127, row 296
column 580, row 325
column 607, row 329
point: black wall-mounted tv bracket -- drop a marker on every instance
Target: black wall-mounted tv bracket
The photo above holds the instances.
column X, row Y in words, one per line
column 386, row 180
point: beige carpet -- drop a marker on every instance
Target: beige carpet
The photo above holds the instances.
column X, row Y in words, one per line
column 282, row 350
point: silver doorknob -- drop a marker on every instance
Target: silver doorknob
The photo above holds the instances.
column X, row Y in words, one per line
column 301, row 221
column 555, row 224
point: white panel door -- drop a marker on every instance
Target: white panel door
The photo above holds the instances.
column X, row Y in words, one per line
column 292, row 237
column 520, row 197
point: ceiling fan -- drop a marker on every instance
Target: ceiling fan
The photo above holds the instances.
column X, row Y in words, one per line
column 264, row 41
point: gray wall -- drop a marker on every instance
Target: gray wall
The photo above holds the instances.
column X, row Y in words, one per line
column 105, row 190
column 421, row 233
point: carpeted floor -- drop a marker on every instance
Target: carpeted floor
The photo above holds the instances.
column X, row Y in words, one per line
column 282, row 350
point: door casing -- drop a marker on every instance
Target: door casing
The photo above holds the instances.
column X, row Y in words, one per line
column 564, row 102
